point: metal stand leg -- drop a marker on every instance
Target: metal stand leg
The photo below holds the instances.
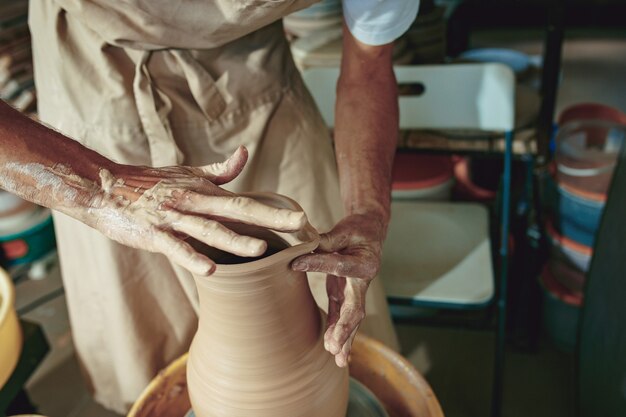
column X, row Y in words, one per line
column 552, row 67
column 550, row 78
column 498, row 371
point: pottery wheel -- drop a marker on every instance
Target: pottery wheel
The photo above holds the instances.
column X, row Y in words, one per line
column 361, row 402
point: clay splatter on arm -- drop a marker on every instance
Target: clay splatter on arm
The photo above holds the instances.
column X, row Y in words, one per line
column 142, row 207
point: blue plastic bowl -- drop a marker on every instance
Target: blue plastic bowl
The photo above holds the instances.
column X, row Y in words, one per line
column 561, row 312
column 575, row 217
column 516, row 60
column 31, row 242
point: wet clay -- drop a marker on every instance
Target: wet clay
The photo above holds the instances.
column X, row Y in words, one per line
column 259, row 347
column 274, row 243
column 392, row 379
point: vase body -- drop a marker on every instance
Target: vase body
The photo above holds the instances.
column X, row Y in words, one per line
column 258, row 351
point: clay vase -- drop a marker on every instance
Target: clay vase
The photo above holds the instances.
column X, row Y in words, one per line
column 259, row 347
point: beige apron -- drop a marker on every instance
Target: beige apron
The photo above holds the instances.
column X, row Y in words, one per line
column 164, row 82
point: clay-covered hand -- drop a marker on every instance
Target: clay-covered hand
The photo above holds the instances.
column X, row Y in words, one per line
column 146, row 208
column 157, row 208
column 350, row 255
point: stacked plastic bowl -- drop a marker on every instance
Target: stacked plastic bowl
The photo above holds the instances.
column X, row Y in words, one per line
column 26, row 231
column 588, row 143
column 422, row 177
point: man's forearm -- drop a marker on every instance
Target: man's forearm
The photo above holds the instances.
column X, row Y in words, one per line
column 29, row 151
column 366, row 127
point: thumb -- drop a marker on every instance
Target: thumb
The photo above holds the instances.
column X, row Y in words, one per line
column 332, row 241
column 223, row 172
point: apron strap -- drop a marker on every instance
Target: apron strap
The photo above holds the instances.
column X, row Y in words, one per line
column 154, row 119
column 201, row 84
column 163, row 148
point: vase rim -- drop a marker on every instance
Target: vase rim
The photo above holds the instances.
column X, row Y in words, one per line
column 300, row 242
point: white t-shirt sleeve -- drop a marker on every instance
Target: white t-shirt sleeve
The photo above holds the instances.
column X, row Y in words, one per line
column 378, row 22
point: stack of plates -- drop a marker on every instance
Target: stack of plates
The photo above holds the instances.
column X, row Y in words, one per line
column 16, row 67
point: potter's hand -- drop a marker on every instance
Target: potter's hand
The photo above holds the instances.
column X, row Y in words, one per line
column 350, row 255
column 155, row 208
column 146, row 208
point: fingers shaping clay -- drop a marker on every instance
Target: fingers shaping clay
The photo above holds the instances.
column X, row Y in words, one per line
column 259, row 347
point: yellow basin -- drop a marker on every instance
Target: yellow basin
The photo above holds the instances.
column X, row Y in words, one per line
column 10, row 332
column 397, row 385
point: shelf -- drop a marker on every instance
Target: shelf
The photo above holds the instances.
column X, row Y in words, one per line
column 524, row 143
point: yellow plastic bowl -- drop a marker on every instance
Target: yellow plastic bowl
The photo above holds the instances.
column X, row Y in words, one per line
column 10, row 332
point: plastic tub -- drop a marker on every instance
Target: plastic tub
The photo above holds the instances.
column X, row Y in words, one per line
column 465, row 187
column 10, row 203
column 518, row 61
column 586, row 155
column 577, row 254
column 13, row 209
column 576, row 215
column 565, row 272
column 29, row 239
column 591, row 111
column 441, row 192
column 422, row 177
column 10, row 332
column 561, row 311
